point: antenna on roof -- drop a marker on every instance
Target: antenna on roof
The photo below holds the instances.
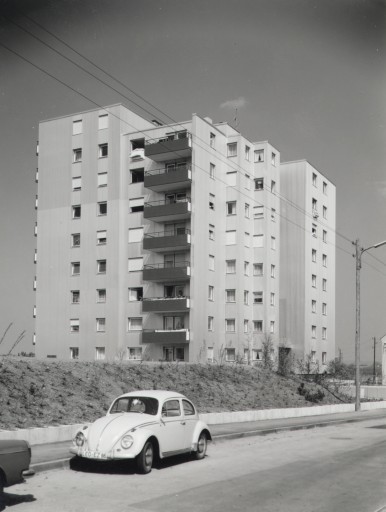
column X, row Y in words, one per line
column 236, row 120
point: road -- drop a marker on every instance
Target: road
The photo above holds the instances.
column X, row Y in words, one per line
column 338, row 468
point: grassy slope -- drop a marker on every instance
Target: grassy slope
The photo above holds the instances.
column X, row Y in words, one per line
column 36, row 393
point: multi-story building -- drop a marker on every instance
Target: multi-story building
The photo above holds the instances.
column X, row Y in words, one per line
column 156, row 241
column 307, row 262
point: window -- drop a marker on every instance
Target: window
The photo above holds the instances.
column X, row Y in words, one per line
column 75, row 268
column 135, row 294
column 77, row 127
column 74, row 325
column 273, row 159
column 135, row 264
column 102, row 179
column 258, row 240
column 324, row 212
column 101, row 237
column 230, row 237
column 211, row 201
column 272, row 301
column 324, row 357
column 211, row 232
column 75, row 297
column 230, row 355
column 246, row 329
column 101, row 324
column 211, row 293
column 313, row 280
column 246, row 268
column 273, row 243
column 77, row 183
column 232, row 149
column 314, row 255
column 324, row 285
column 100, row 353
column 247, row 152
column 273, row 271
column 230, row 266
column 211, row 262
column 136, row 205
column 258, row 212
column 212, row 170
column 247, row 182
column 272, row 327
column 324, row 188
column 324, row 260
column 231, row 208
column 314, row 230
column 101, row 295
column 273, row 187
column 75, row 240
column 324, row 333
column 137, row 175
column 258, row 269
column 230, row 325
column 74, row 353
column 259, row 184
column 135, row 353
column 231, row 179
column 103, row 121
column 210, row 323
column 135, row 324
column 324, row 236
column 273, row 214
column 314, row 208
column 103, row 150
column 135, row 234
column 102, row 208
column 313, row 306
column 247, row 240
column 259, row 155
column 258, row 297
column 313, row 331
column 76, row 211
column 230, row 295
column 246, row 210
column 77, row 155
column 246, row 297
column 324, row 309
column 257, row 326
column 257, row 355
column 313, row 356
column 101, row 266
column 212, row 140
column 314, row 179
column 210, row 355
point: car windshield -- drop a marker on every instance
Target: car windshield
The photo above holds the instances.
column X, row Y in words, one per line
column 141, row 404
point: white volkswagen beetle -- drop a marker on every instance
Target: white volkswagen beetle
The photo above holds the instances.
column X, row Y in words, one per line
column 142, row 425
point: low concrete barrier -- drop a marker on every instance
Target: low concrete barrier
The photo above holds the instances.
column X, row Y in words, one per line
column 63, row 433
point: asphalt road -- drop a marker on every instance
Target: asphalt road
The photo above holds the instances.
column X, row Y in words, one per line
column 337, row 468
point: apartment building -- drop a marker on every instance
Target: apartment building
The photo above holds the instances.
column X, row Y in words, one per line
column 307, row 294
column 156, row 241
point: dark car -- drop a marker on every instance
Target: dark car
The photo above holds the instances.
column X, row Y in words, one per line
column 15, row 457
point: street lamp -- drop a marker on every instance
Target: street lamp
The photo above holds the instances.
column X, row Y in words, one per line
column 358, row 256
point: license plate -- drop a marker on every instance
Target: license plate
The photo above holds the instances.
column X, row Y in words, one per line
column 91, row 454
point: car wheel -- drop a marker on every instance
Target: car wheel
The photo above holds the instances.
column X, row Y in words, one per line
column 145, row 458
column 202, row 444
column 2, row 497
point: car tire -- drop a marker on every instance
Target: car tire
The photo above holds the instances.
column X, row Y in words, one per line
column 145, row 458
column 2, row 497
column 202, row 444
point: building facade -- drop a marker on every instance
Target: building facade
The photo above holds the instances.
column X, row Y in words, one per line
column 156, row 241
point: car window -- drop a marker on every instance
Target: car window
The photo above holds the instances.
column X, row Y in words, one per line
column 143, row 405
column 188, row 408
column 171, row 408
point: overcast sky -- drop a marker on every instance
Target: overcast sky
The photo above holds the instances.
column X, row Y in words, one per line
column 307, row 75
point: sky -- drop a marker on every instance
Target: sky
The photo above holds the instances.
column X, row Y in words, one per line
column 307, row 75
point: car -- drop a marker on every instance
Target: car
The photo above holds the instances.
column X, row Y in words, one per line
column 15, row 458
column 141, row 426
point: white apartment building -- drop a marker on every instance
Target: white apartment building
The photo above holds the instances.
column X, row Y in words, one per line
column 157, row 241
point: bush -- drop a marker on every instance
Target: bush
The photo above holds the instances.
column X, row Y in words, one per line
column 309, row 394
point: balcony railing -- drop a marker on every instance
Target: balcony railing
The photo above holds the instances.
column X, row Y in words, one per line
column 168, row 170
column 169, row 209
column 164, row 148
column 167, row 271
column 163, row 202
column 176, row 264
column 165, row 336
column 167, row 241
column 165, row 304
column 161, row 234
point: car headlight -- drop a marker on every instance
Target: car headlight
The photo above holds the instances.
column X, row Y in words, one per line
column 79, row 439
column 126, row 442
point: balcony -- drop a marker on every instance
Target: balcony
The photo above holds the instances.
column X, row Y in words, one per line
column 168, row 210
column 161, row 336
column 170, row 178
column 158, row 272
column 167, row 241
column 165, row 304
column 172, row 146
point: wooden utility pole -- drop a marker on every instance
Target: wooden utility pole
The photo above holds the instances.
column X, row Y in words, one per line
column 375, row 341
column 358, row 253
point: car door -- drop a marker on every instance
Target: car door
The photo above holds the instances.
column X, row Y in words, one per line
column 190, row 419
column 172, row 433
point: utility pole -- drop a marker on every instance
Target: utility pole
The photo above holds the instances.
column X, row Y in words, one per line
column 375, row 341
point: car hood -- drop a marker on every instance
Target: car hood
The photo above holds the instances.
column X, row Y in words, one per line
column 105, row 432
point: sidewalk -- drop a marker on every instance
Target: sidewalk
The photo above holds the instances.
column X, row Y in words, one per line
column 56, row 455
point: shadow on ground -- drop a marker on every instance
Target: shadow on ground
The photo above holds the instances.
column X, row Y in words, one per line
column 8, row 500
